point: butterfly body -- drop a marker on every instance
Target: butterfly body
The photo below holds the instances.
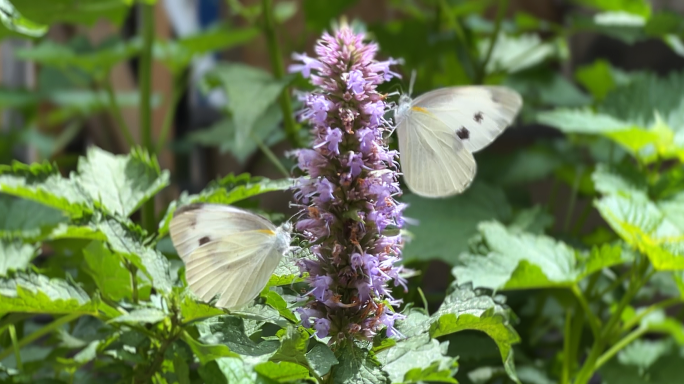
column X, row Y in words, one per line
column 440, row 130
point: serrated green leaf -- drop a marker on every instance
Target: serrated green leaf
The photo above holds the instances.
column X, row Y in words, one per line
column 229, row 370
column 15, row 255
column 357, row 365
column 178, row 54
column 227, row 190
column 127, row 240
column 510, row 259
column 207, row 353
column 583, row 121
column 230, row 331
column 417, row 357
column 192, row 310
column 33, row 293
column 651, row 144
column 12, row 23
column 658, row 362
column 293, row 345
column 321, row 359
column 654, row 228
column 141, row 315
column 274, row 300
column 250, row 92
column 466, row 309
column 515, row 53
column 20, row 218
column 44, row 184
column 110, row 276
column 120, row 184
column 446, row 225
column 73, row 11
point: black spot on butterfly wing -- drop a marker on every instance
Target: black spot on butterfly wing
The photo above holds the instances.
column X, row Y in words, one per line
column 478, row 117
column 204, row 240
column 463, row 133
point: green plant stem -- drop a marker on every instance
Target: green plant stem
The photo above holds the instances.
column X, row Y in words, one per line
column 594, row 322
column 145, row 81
column 582, row 218
column 661, row 305
column 15, row 347
column 587, row 370
column 573, row 199
column 115, row 110
column 39, row 333
column 501, row 12
column 178, row 86
column 133, row 271
column 567, row 337
column 291, row 127
column 617, row 347
column 271, row 156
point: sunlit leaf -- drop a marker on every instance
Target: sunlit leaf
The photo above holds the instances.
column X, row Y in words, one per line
column 33, row 293
column 357, row 365
column 106, row 269
column 16, row 255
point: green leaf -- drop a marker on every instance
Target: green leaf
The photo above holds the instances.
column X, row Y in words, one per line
column 120, row 184
column 250, row 92
column 293, row 344
column 177, row 54
column 417, row 357
column 654, row 228
column 95, row 61
column 228, row 190
column 321, row 359
column 636, row 7
column 12, row 23
column 466, row 309
column 27, row 219
column 445, row 225
column 582, row 121
column 230, row 331
column 127, row 240
column 73, row 11
column 33, row 293
column 110, row 276
column 141, row 315
column 597, row 78
column 357, row 365
column 510, row 259
column 287, row 272
column 229, row 370
column 318, row 15
column 15, row 255
column 223, row 134
column 192, row 310
column 654, row 143
column 207, row 353
column 44, row 184
column 274, row 300
column 282, row 371
column 655, row 361
column 515, row 53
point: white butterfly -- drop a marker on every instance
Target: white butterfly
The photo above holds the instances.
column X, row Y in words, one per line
column 227, row 251
column 440, row 130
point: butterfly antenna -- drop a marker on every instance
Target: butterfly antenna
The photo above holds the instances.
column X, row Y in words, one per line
column 413, row 80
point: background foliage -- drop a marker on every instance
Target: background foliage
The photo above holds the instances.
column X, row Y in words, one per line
column 566, row 254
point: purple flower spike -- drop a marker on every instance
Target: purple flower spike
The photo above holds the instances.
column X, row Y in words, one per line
column 348, row 192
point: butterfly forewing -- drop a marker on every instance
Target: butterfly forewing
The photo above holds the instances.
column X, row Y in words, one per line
column 197, row 224
column 433, row 159
column 479, row 113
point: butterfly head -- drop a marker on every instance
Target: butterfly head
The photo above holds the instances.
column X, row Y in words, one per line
column 403, row 107
column 283, row 237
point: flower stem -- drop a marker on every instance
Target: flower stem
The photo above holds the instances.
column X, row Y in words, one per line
column 271, row 156
column 291, row 127
column 503, row 7
column 15, row 347
column 567, row 336
column 132, row 270
column 178, row 86
column 35, row 335
column 115, row 110
column 663, row 304
column 619, row 346
column 145, row 81
column 594, row 322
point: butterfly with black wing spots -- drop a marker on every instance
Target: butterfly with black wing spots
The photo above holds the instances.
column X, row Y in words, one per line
column 439, row 131
column 227, row 251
